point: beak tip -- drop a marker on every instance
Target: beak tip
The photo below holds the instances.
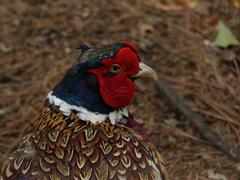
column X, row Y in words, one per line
column 146, row 71
column 155, row 77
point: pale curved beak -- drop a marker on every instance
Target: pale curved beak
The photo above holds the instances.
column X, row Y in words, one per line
column 146, row 71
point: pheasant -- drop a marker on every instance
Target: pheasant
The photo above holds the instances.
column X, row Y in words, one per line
column 85, row 130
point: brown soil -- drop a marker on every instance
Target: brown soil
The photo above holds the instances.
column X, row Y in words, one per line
column 37, row 45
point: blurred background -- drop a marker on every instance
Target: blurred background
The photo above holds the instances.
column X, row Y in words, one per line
column 192, row 44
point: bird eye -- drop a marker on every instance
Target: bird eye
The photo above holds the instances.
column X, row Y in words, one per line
column 115, row 68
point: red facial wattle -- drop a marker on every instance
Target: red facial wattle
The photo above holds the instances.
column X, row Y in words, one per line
column 118, row 90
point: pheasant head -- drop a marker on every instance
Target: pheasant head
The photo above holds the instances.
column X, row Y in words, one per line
column 100, row 83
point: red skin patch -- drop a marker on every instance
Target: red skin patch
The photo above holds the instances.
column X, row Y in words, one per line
column 118, row 90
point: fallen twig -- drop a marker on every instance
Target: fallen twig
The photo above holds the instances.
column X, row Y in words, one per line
column 7, row 79
column 198, row 121
column 4, row 147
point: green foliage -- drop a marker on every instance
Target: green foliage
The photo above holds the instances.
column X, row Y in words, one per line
column 225, row 37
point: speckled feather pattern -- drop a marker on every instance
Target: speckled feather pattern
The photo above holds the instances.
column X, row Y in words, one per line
column 64, row 147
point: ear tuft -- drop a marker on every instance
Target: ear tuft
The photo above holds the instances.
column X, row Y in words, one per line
column 83, row 47
column 131, row 45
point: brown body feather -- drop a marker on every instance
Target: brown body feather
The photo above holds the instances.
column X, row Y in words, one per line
column 63, row 147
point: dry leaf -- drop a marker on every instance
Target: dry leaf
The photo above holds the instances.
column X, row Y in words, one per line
column 236, row 3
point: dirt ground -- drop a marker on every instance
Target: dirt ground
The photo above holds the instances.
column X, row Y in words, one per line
column 38, row 40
